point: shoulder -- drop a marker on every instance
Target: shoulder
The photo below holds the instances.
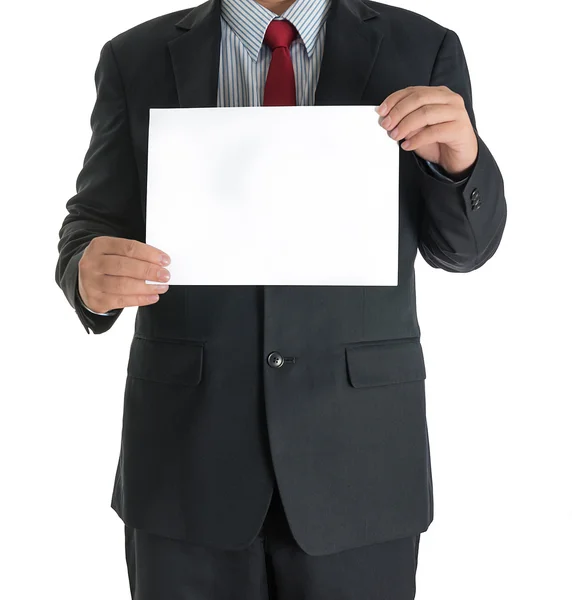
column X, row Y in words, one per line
column 145, row 45
column 408, row 24
column 146, row 38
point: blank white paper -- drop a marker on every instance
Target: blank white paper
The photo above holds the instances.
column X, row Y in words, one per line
column 302, row 195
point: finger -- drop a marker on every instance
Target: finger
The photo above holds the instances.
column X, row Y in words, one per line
column 124, row 266
column 424, row 116
column 384, row 108
column 132, row 249
column 413, row 133
column 138, row 300
column 442, row 133
column 102, row 302
column 412, row 101
column 410, row 135
column 127, row 286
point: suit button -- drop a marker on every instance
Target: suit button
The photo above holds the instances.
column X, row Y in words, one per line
column 475, row 199
column 275, row 360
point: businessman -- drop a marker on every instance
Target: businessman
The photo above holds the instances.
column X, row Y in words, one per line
column 274, row 440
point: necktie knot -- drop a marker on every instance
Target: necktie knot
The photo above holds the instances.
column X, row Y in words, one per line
column 280, row 34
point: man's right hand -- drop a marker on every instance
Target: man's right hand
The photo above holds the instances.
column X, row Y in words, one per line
column 113, row 271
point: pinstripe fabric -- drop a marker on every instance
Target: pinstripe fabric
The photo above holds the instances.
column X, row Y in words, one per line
column 245, row 60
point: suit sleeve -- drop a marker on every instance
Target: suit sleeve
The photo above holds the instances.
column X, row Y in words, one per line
column 463, row 222
column 107, row 201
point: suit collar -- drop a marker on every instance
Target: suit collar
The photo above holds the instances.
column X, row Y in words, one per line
column 195, row 56
column 354, row 33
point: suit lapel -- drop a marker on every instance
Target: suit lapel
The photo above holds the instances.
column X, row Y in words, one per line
column 195, row 56
column 351, row 47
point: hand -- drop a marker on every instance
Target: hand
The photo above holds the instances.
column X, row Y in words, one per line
column 112, row 274
column 435, row 123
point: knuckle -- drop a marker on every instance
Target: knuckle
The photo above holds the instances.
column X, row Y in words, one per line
column 119, row 266
column 121, row 286
column 98, row 243
column 86, row 268
column 130, row 246
column 150, row 273
column 85, row 264
column 456, row 97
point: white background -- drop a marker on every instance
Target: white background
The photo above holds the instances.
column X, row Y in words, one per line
column 496, row 341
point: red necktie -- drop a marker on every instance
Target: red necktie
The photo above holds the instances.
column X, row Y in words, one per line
column 280, row 89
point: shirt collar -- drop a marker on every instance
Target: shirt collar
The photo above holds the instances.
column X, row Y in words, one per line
column 249, row 20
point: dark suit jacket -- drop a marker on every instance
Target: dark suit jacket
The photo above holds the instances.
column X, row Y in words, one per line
column 208, row 422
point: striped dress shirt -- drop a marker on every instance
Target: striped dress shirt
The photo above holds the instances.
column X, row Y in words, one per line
column 245, row 59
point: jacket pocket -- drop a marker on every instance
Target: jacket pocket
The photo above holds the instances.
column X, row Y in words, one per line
column 178, row 362
column 384, row 363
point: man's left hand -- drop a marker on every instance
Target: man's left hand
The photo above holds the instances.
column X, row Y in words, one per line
column 435, row 124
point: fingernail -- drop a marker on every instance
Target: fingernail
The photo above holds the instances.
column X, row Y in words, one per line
column 383, row 109
column 165, row 260
column 161, row 288
column 386, row 122
column 406, row 144
column 163, row 275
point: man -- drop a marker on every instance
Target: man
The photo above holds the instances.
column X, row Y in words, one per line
column 274, row 438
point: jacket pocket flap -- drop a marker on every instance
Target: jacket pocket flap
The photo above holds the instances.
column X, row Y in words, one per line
column 166, row 361
column 385, row 363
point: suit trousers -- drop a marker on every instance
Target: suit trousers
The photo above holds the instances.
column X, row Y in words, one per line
column 273, row 567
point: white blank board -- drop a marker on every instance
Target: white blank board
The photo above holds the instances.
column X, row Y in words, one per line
column 274, row 195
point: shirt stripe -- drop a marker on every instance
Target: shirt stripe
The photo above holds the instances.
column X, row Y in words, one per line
column 245, row 59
